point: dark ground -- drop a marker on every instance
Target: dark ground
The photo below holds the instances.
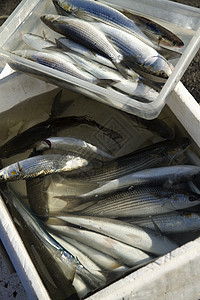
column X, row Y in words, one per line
column 191, row 76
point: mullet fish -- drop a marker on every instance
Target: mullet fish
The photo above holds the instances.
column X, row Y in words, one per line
column 69, row 144
column 165, row 176
column 41, row 165
column 137, row 201
column 132, row 235
column 126, row 254
column 94, row 11
column 84, row 33
column 169, row 223
column 151, row 156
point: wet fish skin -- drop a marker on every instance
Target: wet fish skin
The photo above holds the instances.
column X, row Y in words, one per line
column 56, row 61
column 169, row 223
column 138, row 201
column 151, row 156
column 83, row 258
column 84, row 33
column 136, row 53
column 41, row 165
column 69, row 45
column 95, row 11
column 105, row 261
column 130, row 234
column 166, row 176
column 69, row 144
column 157, row 33
column 126, row 254
column 57, row 275
column 131, row 85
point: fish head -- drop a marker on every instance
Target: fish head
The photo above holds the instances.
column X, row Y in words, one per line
column 9, row 173
column 50, row 19
column 66, row 6
column 158, row 66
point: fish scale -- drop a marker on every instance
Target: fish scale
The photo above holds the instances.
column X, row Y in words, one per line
column 41, row 165
column 84, row 33
column 92, row 10
column 139, row 201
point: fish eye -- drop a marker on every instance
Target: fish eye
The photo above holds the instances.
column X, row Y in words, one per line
column 1, row 177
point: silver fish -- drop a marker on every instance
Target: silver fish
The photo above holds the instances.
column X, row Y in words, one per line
column 157, row 154
column 139, row 55
column 57, row 275
column 37, row 195
column 157, row 33
column 69, row 144
column 131, row 85
column 122, row 252
column 84, row 33
column 69, row 45
column 94, row 11
column 56, row 61
column 41, row 165
column 165, row 176
column 106, row 262
column 170, row 223
column 129, row 234
column 138, row 201
column 84, row 259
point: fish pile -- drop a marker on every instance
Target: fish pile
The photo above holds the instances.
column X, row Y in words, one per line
column 127, row 212
column 120, row 51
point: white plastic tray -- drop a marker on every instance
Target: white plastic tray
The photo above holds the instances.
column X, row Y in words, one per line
column 183, row 20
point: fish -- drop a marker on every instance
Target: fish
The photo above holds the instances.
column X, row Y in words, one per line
column 128, row 255
column 169, row 223
column 41, row 165
column 130, row 234
column 106, row 262
column 166, row 176
column 58, row 275
column 37, row 42
column 28, row 138
column 84, row 33
column 151, row 156
column 37, row 196
column 56, row 254
column 137, row 201
column 73, row 145
column 83, row 258
column 57, row 62
column 137, row 54
column 157, row 33
column 132, row 85
column 95, row 11
column 68, row 45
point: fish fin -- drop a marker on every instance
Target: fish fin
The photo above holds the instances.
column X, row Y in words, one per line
column 106, row 82
column 169, row 54
column 157, row 229
column 81, row 14
column 53, row 48
column 55, row 105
